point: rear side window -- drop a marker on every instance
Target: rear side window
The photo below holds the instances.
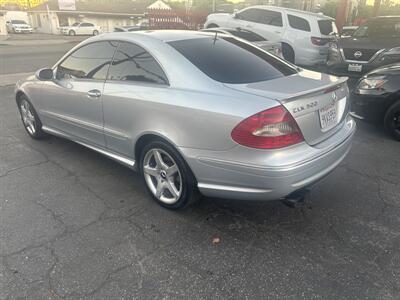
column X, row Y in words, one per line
column 247, row 35
column 299, row 23
column 133, row 63
column 327, row 27
column 88, row 62
column 228, row 60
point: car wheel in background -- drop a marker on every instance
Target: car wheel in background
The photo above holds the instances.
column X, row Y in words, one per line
column 95, row 32
column 72, row 33
column 392, row 121
column 288, row 53
column 167, row 176
column 30, row 119
column 212, row 26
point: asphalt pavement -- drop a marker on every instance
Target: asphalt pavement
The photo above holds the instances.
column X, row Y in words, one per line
column 76, row 225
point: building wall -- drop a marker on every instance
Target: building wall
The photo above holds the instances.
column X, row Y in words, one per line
column 16, row 15
column 3, row 28
column 45, row 22
column 107, row 23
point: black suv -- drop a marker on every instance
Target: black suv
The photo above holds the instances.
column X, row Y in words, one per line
column 375, row 43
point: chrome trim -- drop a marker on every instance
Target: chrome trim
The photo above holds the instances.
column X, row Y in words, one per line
column 353, row 114
column 210, row 186
column 121, row 159
column 73, row 121
column 361, row 61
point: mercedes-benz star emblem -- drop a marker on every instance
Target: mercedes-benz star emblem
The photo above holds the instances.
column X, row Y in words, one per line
column 358, row 54
column 334, row 96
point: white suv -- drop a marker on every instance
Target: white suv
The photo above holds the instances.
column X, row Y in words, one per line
column 305, row 36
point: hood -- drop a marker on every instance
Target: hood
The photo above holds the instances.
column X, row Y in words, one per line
column 292, row 86
column 21, row 25
column 366, row 43
column 393, row 69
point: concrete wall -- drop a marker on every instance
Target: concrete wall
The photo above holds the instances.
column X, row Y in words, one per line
column 106, row 23
column 45, row 22
column 3, row 28
column 17, row 15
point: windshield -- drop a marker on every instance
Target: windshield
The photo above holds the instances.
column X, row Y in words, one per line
column 379, row 28
column 18, row 22
column 228, row 60
column 75, row 24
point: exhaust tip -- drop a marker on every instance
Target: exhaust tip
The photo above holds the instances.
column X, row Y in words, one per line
column 295, row 199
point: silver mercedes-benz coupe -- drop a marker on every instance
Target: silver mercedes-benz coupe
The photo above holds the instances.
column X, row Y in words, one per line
column 194, row 112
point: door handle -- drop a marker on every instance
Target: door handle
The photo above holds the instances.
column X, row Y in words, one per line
column 94, row 94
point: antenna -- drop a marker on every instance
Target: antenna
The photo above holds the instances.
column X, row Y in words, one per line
column 215, row 37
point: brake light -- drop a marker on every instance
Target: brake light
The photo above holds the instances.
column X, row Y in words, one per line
column 270, row 129
column 319, row 41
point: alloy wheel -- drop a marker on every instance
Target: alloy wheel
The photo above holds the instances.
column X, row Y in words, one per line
column 162, row 176
column 28, row 117
column 396, row 121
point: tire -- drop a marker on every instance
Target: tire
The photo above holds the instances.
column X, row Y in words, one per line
column 30, row 119
column 212, row 25
column 95, row 32
column 392, row 121
column 162, row 166
column 288, row 53
column 72, row 33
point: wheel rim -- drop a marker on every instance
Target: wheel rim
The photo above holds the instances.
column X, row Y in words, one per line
column 28, row 117
column 162, row 176
column 396, row 122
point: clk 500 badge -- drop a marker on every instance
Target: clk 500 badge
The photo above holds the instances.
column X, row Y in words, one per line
column 305, row 107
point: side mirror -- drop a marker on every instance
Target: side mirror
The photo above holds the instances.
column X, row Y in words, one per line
column 45, row 74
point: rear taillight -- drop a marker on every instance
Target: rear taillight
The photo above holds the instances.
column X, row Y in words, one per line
column 319, row 41
column 270, row 129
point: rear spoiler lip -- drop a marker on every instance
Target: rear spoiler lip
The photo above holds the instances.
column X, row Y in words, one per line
column 319, row 90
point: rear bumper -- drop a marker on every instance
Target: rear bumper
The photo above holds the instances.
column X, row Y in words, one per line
column 251, row 174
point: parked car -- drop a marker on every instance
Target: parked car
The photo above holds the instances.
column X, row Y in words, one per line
column 127, row 28
column 376, row 98
column 194, row 111
column 348, row 31
column 304, row 36
column 375, row 43
column 272, row 47
column 18, row 26
column 81, row 29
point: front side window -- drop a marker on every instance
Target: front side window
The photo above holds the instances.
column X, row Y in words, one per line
column 250, row 15
column 87, row 25
column 133, row 63
column 228, row 60
column 75, row 24
column 270, row 17
column 88, row 62
column 299, row 23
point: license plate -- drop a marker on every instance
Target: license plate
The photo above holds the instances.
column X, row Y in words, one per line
column 355, row 68
column 328, row 116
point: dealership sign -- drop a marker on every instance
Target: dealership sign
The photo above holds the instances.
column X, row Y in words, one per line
column 66, row 4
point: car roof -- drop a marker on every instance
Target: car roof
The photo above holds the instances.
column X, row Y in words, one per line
column 294, row 11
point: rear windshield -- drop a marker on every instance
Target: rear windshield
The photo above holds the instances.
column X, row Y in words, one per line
column 228, row 60
column 327, row 27
column 247, row 35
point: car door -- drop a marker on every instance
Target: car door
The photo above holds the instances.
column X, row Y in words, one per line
column 87, row 28
column 245, row 19
column 134, row 80
column 74, row 98
column 270, row 25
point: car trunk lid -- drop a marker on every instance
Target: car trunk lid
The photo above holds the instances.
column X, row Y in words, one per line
column 318, row 102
